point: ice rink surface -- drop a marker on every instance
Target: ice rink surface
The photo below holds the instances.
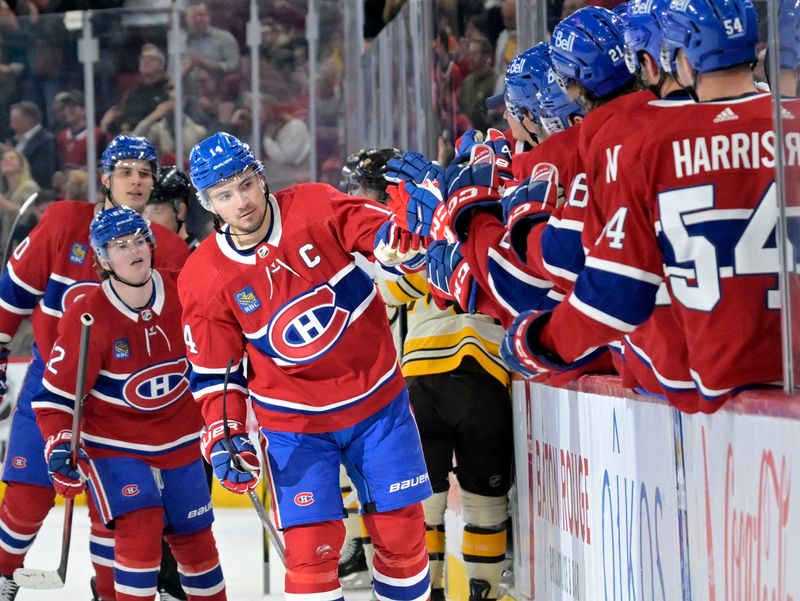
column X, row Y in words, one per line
column 238, row 534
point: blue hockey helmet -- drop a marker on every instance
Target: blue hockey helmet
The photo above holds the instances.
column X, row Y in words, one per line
column 789, row 18
column 129, row 147
column 714, row 34
column 588, row 47
column 643, row 31
column 114, row 223
column 217, row 159
column 525, row 76
column 556, row 107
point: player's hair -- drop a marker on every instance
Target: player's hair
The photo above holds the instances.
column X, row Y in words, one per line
column 365, row 169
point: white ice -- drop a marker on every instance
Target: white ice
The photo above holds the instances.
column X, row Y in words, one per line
column 238, row 534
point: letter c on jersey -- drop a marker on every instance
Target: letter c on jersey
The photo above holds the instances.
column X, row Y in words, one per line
column 157, row 386
column 308, row 326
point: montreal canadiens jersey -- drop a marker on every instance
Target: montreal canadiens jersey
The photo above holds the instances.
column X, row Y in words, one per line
column 138, row 400
column 609, row 141
column 698, row 210
column 555, row 251
column 320, row 355
column 54, row 266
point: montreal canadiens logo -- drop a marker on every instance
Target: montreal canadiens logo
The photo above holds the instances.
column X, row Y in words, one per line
column 76, row 292
column 157, row 386
column 308, row 326
column 130, row 490
column 19, row 462
column 304, row 499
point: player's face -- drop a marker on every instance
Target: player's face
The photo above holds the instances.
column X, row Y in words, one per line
column 130, row 257
column 241, row 204
column 130, row 183
column 163, row 214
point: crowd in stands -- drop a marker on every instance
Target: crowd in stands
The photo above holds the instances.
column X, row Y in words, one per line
column 42, row 110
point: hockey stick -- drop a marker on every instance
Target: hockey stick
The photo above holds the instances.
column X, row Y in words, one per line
column 22, row 210
column 50, row 579
column 243, row 466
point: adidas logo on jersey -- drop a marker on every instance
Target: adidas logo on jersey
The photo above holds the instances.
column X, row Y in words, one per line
column 786, row 114
column 726, row 115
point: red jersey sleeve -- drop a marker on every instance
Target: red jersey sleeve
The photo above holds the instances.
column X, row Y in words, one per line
column 213, row 338
column 54, row 404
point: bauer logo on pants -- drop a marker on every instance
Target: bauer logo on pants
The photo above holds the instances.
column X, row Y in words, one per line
column 304, row 499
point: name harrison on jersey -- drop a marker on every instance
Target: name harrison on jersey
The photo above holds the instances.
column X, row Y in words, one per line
column 745, row 150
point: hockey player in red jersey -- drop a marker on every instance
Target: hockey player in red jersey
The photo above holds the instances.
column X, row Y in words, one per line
column 140, row 429
column 697, row 210
column 48, row 271
column 278, row 286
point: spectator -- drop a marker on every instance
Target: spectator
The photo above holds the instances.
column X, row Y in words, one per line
column 16, row 185
column 144, row 96
column 71, row 140
column 479, row 84
column 76, row 185
column 207, row 46
column 12, row 61
column 159, row 128
column 287, row 144
column 31, row 218
column 506, row 48
column 31, row 139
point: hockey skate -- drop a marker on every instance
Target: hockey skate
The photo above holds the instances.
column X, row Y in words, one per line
column 8, row 588
column 353, row 571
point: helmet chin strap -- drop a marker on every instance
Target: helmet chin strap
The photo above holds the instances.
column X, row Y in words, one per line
column 114, row 275
column 131, row 284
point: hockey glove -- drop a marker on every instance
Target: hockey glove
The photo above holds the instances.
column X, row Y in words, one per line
column 472, row 187
column 449, row 276
column 239, row 478
column 394, row 246
column 415, row 168
column 495, row 139
column 502, row 152
column 523, row 353
column 464, row 145
column 3, row 369
column 68, row 480
column 530, row 203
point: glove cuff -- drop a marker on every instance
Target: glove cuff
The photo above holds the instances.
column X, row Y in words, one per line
column 214, row 432
column 56, row 439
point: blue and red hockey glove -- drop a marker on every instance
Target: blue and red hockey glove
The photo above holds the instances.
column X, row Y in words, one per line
column 530, row 203
column 495, row 139
column 240, row 476
column 523, row 353
column 67, row 479
column 471, row 187
column 415, row 168
column 449, row 276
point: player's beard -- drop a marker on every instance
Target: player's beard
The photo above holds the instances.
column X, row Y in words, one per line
column 251, row 225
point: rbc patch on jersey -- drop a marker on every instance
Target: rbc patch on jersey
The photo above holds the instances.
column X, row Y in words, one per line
column 121, row 349
column 247, row 299
column 78, row 253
